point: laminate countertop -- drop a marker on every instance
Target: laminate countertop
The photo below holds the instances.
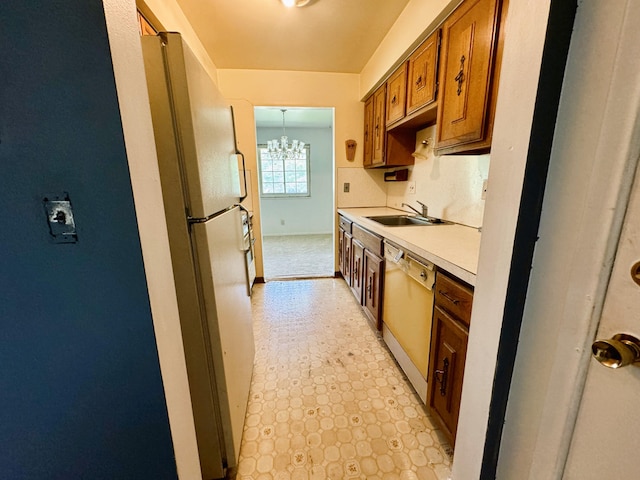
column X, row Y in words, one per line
column 454, row 248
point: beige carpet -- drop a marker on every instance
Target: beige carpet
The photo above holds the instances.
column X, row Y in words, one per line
column 298, row 256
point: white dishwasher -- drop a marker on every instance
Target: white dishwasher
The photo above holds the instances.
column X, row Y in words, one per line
column 408, row 312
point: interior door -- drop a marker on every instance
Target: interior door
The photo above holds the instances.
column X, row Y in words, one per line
column 605, row 439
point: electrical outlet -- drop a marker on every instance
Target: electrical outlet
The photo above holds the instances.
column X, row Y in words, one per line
column 346, row 187
column 412, row 187
column 484, row 189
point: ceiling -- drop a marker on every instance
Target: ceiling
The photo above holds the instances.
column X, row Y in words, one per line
column 323, row 36
column 299, row 117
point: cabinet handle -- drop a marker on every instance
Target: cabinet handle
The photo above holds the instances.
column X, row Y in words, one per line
column 460, row 77
column 442, row 380
column 369, row 289
column 455, row 301
column 393, row 100
column 419, row 81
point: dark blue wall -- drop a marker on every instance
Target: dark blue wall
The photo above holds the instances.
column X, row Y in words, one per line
column 80, row 387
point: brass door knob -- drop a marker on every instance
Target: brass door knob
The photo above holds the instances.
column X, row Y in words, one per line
column 619, row 351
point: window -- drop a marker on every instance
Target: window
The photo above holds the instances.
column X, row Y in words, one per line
column 283, row 178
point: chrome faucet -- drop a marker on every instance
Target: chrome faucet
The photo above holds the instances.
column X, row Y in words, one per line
column 425, row 210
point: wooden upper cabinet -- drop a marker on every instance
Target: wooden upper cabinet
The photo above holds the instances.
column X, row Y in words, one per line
column 468, row 77
column 145, row 26
column 422, row 76
column 385, row 148
column 368, row 132
column 397, row 94
column 379, row 130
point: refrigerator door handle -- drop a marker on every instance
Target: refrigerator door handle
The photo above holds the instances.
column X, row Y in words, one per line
column 244, row 176
column 194, row 220
column 244, row 193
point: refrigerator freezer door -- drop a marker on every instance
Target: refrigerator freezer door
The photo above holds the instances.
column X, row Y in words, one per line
column 219, row 247
column 204, row 132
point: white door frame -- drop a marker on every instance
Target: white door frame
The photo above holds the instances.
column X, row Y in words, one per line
column 594, row 157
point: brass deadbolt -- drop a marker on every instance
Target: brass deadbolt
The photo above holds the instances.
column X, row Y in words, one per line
column 618, row 351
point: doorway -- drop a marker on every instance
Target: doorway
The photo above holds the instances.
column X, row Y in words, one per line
column 296, row 195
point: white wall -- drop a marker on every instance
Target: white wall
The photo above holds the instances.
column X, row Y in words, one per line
column 589, row 177
column 303, row 215
column 450, row 185
column 525, row 33
column 172, row 19
column 366, row 187
column 418, row 19
column 133, row 97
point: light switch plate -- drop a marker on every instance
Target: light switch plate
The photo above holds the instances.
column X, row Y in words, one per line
column 484, row 189
column 412, row 187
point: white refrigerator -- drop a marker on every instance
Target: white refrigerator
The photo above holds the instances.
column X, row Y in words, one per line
column 202, row 186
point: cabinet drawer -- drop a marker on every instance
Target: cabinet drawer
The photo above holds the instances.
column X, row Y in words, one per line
column 371, row 241
column 454, row 297
column 345, row 224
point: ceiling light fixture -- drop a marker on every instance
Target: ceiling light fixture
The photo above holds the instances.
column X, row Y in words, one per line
column 294, row 3
column 281, row 150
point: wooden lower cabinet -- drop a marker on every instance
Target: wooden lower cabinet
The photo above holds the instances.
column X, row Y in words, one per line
column 357, row 268
column 344, row 248
column 372, row 288
column 345, row 258
column 448, row 354
column 362, row 267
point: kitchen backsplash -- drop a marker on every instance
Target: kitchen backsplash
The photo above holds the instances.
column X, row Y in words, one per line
column 450, row 185
column 367, row 188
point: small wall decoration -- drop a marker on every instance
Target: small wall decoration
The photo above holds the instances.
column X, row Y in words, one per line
column 350, row 146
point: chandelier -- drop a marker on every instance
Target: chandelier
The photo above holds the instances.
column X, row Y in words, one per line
column 281, row 150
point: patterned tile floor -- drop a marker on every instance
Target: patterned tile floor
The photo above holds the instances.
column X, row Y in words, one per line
column 327, row 400
column 302, row 256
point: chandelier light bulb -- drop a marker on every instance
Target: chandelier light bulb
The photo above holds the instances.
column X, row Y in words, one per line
column 289, row 3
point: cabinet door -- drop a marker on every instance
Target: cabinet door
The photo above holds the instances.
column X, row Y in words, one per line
column 397, row 94
column 469, row 41
column 446, row 371
column 341, row 251
column 357, row 267
column 422, row 77
column 372, row 293
column 346, row 256
column 368, row 132
column 379, row 130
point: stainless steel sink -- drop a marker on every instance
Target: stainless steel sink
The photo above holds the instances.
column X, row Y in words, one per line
column 403, row 220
